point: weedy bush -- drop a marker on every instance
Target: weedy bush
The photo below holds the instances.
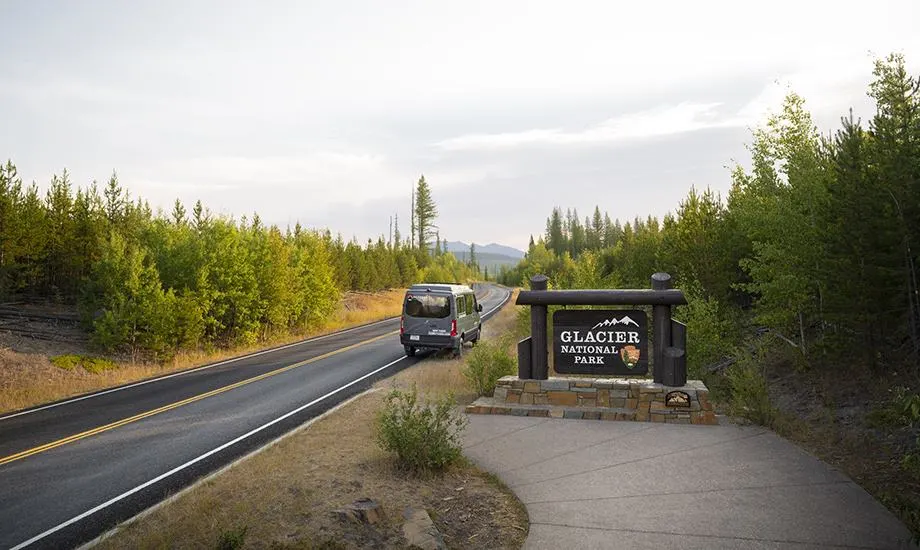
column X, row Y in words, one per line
column 713, row 327
column 232, row 539
column 748, row 386
column 906, row 406
column 488, row 362
column 94, row 365
column 903, row 409
column 424, row 436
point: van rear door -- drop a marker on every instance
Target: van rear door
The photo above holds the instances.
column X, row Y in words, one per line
column 427, row 314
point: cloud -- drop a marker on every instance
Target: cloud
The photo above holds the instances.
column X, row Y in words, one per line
column 662, row 121
column 321, row 175
column 314, row 187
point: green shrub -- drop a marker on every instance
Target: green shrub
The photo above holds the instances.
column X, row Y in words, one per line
column 712, row 329
column 94, row 365
column 903, row 409
column 748, row 386
column 66, row 362
column 488, row 362
column 907, row 406
column 232, row 539
column 424, row 437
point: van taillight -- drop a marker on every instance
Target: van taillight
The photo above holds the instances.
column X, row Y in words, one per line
column 453, row 327
column 402, row 325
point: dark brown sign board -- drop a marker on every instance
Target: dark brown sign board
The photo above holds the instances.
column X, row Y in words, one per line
column 600, row 341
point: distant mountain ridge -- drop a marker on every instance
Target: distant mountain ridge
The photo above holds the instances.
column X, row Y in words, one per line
column 491, row 257
column 491, row 248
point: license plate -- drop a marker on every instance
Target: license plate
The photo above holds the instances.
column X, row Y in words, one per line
column 413, row 337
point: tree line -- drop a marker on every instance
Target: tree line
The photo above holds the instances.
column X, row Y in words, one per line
column 154, row 283
column 817, row 243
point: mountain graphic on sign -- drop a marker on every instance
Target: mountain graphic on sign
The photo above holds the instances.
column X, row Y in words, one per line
column 614, row 321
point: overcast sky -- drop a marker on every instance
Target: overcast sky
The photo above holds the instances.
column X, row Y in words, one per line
column 328, row 112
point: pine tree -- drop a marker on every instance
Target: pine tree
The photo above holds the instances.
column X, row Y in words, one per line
column 10, row 223
column 598, row 230
column 34, row 237
column 199, row 217
column 612, row 232
column 863, row 244
column 425, row 213
column 88, row 223
column 895, row 164
column 576, row 233
column 59, row 253
column 555, row 235
column 115, row 201
column 178, row 213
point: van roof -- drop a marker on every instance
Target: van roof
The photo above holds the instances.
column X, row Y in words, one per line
column 440, row 287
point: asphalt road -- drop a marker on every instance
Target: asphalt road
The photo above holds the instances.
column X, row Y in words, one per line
column 72, row 470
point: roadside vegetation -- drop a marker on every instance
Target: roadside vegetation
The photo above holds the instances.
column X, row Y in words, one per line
column 161, row 292
column 425, row 436
column 153, row 285
column 489, row 361
column 289, row 495
column 804, row 310
column 38, row 371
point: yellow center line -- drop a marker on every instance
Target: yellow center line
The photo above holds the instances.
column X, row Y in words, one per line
column 171, row 406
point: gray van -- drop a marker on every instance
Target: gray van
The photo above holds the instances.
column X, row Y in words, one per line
column 439, row 316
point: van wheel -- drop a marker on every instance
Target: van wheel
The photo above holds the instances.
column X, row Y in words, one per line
column 410, row 351
column 458, row 351
column 475, row 340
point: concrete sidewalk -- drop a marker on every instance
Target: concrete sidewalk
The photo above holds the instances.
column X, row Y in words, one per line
column 596, row 484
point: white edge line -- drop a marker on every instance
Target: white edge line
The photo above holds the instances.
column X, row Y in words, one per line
column 198, row 459
column 181, row 467
column 196, row 369
column 121, row 526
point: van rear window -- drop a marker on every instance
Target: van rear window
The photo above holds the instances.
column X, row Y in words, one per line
column 427, row 306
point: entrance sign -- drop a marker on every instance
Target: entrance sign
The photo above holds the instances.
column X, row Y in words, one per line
column 609, row 341
column 668, row 353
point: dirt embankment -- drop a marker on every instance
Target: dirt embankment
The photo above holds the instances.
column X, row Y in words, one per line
column 844, row 418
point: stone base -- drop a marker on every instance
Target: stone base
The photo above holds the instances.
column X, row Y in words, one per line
column 597, row 399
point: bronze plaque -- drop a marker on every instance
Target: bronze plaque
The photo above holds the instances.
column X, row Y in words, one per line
column 677, row 399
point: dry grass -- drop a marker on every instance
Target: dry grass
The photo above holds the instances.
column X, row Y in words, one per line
column 28, row 378
column 358, row 308
column 285, row 495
